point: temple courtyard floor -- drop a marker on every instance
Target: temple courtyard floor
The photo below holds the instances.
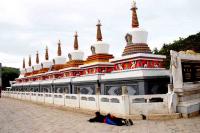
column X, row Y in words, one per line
column 24, row 117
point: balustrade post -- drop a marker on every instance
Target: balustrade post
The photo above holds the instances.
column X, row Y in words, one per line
column 148, row 100
column 170, row 88
column 79, row 97
column 125, row 100
column 98, row 92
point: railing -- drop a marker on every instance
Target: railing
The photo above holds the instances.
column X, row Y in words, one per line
column 48, row 98
column 34, row 96
column 59, row 99
column 19, row 95
column 89, row 102
column 11, row 94
column 124, row 104
column 23, row 95
column 27, row 96
column 15, row 94
column 72, row 100
column 149, row 104
column 111, row 104
column 41, row 97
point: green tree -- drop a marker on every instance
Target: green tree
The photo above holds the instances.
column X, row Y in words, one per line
column 155, row 51
column 9, row 74
column 190, row 43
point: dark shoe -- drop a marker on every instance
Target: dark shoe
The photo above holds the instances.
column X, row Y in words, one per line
column 130, row 121
column 126, row 122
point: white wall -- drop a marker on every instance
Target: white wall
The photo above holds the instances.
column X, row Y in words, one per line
column 122, row 105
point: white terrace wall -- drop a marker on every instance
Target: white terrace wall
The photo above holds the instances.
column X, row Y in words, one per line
column 34, row 96
column 89, row 102
column 121, row 105
column 72, row 100
column 23, row 96
column 143, row 105
column 28, row 96
column 59, row 99
column 47, row 99
column 112, row 104
column 41, row 98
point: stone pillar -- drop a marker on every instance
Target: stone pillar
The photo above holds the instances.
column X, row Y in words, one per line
column 176, row 69
column 78, row 96
column 124, row 90
column 98, row 92
column 170, row 88
column 125, row 100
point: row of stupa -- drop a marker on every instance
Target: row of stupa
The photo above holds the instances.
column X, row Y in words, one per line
column 136, row 54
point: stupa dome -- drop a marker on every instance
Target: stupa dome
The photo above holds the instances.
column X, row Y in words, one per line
column 47, row 64
column 60, row 60
column 29, row 69
column 22, row 71
column 101, row 47
column 37, row 67
column 139, row 35
column 77, row 55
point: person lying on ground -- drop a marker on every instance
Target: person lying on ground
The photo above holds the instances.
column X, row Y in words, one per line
column 111, row 120
column 98, row 118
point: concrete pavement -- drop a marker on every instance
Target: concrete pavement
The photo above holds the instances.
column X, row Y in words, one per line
column 24, row 117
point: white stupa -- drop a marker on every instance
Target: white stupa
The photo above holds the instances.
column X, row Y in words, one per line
column 100, row 46
column 29, row 69
column 23, row 70
column 140, row 35
column 46, row 64
column 37, row 66
column 76, row 54
column 136, row 38
column 59, row 60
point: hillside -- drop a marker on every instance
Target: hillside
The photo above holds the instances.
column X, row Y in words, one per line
column 190, row 43
column 9, row 74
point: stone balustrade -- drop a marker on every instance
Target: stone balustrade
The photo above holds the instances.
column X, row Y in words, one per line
column 121, row 105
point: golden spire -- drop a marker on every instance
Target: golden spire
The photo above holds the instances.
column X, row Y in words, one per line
column 29, row 62
column 99, row 35
column 135, row 23
column 76, row 41
column 37, row 58
column 24, row 65
column 59, row 48
column 46, row 54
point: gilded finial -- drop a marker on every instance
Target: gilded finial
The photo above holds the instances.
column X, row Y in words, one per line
column 76, row 41
column 59, row 48
column 99, row 34
column 37, row 58
column 47, row 54
column 24, row 65
column 29, row 62
column 134, row 4
column 135, row 22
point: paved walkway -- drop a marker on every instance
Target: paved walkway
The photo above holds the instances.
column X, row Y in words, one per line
column 24, row 117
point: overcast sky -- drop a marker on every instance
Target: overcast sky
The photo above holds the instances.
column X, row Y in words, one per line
column 27, row 26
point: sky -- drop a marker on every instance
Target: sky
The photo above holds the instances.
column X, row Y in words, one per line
column 27, row 26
